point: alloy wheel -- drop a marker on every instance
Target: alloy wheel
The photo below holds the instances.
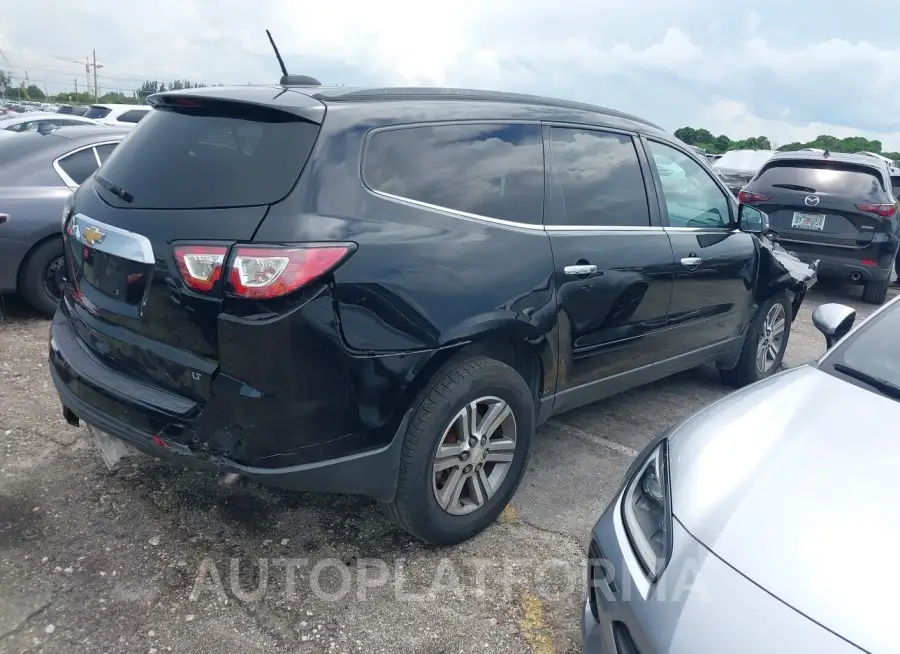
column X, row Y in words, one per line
column 771, row 338
column 474, row 455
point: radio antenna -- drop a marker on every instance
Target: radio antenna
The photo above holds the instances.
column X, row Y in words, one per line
column 291, row 80
column 277, row 54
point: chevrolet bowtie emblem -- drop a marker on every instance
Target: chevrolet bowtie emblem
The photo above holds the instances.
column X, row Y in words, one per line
column 92, row 235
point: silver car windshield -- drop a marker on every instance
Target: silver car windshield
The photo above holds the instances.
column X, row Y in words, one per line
column 869, row 350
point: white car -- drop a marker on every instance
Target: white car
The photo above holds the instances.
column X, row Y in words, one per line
column 34, row 121
column 118, row 115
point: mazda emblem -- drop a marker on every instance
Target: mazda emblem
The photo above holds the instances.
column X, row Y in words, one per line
column 811, row 200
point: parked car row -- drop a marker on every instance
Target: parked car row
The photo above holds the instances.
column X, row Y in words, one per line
column 300, row 284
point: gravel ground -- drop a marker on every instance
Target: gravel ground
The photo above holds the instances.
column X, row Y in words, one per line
column 153, row 558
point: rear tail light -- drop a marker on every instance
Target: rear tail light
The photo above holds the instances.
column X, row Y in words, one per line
column 257, row 272
column 883, row 210
column 200, row 265
column 748, row 197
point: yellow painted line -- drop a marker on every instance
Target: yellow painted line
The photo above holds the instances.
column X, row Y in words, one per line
column 509, row 514
column 533, row 626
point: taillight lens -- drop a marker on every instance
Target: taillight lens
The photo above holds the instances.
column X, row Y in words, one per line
column 883, row 210
column 200, row 265
column 268, row 272
column 747, row 197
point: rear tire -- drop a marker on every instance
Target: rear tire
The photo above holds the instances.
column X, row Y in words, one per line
column 764, row 327
column 876, row 292
column 40, row 274
column 427, row 473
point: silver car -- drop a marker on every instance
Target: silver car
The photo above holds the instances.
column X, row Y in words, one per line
column 763, row 522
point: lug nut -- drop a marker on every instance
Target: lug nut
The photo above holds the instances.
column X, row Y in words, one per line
column 473, row 442
column 483, row 441
column 478, row 467
column 467, row 469
column 485, row 453
column 464, row 455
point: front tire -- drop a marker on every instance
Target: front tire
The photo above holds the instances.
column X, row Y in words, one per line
column 464, row 452
column 765, row 344
column 42, row 277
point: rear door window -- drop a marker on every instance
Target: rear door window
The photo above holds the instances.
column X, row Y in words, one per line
column 207, row 158
column 895, row 185
column 79, row 165
column 596, row 179
column 97, row 112
column 491, row 170
column 820, row 177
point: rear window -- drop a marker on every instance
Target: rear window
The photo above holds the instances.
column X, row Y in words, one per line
column 97, row 112
column 133, row 115
column 815, row 177
column 895, row 185
column 198, row 159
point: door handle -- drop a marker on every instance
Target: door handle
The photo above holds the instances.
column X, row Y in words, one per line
column 585, row 269
column 691, row 261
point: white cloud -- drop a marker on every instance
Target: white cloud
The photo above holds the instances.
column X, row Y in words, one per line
column 763, row 68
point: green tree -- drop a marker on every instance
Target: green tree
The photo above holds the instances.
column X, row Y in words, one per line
column 35, row 93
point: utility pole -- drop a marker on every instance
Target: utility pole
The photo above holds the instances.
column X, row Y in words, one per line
column 76, row 89
column 96, row 94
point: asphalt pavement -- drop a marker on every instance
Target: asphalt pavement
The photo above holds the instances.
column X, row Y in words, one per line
column 153, row 558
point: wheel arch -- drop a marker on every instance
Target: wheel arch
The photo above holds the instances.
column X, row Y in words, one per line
column 516, row 346
column 23, row 262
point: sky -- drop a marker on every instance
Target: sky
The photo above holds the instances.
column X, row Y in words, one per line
column 789, row 71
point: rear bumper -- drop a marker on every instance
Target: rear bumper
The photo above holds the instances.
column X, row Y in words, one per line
column 159, row 423
column 845, row 268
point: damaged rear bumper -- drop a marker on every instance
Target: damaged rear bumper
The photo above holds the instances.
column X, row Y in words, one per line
column 137, row 414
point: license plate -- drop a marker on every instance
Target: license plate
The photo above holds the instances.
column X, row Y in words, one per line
column 111, row 449
column 810, row 221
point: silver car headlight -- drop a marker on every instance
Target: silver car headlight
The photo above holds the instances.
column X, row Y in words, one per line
column 647, row 512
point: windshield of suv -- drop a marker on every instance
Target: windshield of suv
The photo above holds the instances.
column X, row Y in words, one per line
column 866, row 355
column 210, row 159
column 821, row 177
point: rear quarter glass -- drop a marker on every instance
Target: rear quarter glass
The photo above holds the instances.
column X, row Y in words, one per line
column 210, row 158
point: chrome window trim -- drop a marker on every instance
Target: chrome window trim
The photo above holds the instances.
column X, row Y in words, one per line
column 64, row 176
column 454, row 213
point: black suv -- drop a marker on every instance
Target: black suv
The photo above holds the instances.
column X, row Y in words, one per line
column 836, row 208
column 384, row 291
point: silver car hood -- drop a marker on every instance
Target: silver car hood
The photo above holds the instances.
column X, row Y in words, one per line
column 793, row 482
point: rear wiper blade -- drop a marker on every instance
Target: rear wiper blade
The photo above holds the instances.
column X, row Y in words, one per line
column 882, row 385
column 118, row 191
column 796, row 187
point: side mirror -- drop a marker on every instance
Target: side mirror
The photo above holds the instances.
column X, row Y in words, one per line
column 752, row 220
column 834, row 321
